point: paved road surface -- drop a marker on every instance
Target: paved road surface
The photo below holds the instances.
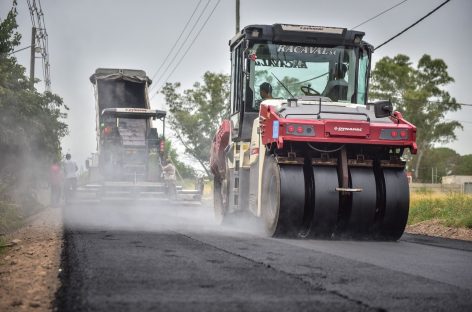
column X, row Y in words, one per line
column 174, row 258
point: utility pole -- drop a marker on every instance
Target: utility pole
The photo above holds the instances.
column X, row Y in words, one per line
column 33, row 55
column 237, row 16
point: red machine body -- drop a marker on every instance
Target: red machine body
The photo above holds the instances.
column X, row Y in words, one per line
column 399, row 132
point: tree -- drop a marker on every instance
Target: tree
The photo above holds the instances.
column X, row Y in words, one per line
column 464, row 165
column 31, row 123
column 419, row 95
column 440, row 161
column 196, row 114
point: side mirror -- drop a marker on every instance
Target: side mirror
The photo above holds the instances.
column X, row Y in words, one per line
column 382, row 108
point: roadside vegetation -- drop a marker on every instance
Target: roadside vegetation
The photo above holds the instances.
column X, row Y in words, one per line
column 9, row 219
column 31, row 126
column 9, row 216
column 451, row 209
column 419, row 93
column 196, row 113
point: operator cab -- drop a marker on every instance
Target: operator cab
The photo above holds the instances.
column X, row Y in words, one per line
column 309, row 63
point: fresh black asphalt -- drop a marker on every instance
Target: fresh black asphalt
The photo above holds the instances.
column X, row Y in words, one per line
column 172, row 257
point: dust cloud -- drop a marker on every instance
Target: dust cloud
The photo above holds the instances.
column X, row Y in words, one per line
column 24, row 176
column 158, row 216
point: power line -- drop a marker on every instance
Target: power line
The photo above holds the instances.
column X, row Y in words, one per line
column 381, row 13
column 437, row 102
column 183, row 43
column 19, row 50
column 176, row 41
column 193, row 41
column 412, row 25
column 465, row 121
column 37, row 21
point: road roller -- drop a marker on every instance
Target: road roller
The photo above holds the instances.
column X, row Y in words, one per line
column 303, row 149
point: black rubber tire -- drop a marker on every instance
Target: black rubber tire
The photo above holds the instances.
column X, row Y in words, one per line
column 397, row 203
column 325, row 201
column 283, row 198
column 363, row 204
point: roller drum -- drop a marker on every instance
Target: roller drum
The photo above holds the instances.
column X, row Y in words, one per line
column 283, row 198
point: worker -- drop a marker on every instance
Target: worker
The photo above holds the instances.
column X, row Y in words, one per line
column 265, row 91
column 70, row 174
column 168, row 172
column 337, row 87
column 55, row 183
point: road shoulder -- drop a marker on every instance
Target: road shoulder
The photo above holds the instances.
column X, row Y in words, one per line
column 29, row 266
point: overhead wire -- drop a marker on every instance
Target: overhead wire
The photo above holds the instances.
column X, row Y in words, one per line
column 379, row 14
column 13, row 52
column 405, row 30
column 437, row 102
column 176, row 41
column 44, row 49
column 465, row 121
column 37, row 21
column 412, row 25
column 440, row 102
column 183, row 43
column 191, row 44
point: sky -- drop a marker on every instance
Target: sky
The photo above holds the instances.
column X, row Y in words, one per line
column 88, row 34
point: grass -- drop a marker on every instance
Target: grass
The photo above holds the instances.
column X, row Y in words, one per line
column 451, row 209
column 9, row 219
column 9, row 216
column 2, row 243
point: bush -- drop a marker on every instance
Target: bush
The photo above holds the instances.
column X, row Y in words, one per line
column 451, row 209
column 9, row 216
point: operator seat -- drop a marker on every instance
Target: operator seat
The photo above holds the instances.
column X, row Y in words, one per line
column 336, row 88
column 337, row 92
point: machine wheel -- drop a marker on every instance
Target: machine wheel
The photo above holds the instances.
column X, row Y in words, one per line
column 220, row 203
column 396, row 196
column 363, row 204
column 325, row 201
column 283, row 198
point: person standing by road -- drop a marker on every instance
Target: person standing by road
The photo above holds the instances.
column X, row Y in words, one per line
column 55, row 181
column 70, row 174
column 168, row 173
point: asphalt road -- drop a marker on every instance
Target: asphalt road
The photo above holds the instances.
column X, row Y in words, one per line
column 165, row 257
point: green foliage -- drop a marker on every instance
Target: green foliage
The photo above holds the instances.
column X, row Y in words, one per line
column 464, row 165
column 419, row 95
column 196, row 114
column 31, row 123
column 452, row 209
column 9, row 216
column 443, row 160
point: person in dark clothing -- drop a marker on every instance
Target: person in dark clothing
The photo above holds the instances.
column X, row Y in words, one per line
column 265, row 91
column 55, row 183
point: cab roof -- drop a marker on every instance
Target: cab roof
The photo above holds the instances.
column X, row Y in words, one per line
column 301, row 34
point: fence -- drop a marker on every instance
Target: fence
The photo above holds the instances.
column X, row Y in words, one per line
column 441, row 188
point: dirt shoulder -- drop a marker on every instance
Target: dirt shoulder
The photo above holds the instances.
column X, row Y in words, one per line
column 435, row 228
column 29, row 267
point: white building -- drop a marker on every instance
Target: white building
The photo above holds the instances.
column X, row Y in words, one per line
column 456, row 179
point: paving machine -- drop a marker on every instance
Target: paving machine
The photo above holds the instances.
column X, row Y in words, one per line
column 130, row 151
column 303, row 149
